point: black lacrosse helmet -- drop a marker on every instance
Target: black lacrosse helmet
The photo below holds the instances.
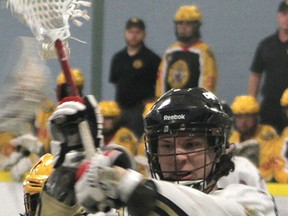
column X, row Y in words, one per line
column 193, row 111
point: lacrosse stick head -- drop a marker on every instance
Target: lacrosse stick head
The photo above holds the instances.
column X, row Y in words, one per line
column 49, row 20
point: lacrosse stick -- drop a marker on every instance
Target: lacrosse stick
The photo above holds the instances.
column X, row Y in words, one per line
column 49, row 22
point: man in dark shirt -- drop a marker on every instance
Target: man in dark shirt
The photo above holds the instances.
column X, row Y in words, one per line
column 271, row 58
column 134, row 71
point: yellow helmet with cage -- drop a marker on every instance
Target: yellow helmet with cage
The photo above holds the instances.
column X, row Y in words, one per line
column 284, row 98
column 109, row 109
column 38, row 175
column 77, row 76
column 188, row 13
column 34, row 182
column 245, row 104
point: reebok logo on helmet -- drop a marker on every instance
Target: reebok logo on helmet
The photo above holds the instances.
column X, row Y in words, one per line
column 173, row 117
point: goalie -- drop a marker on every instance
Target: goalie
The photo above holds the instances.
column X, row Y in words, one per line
column 186, row 134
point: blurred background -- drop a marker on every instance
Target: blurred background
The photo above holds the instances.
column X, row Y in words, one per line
column 231, row 28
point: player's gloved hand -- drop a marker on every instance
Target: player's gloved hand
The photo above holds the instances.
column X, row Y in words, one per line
column 64, row 122
column 100, row 184
column 119, row 156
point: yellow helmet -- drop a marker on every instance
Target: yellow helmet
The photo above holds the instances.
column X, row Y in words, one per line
column 38, row 175
column 109, row 109
column 188, row 13
column 245, row 104
column 284, row 98
column 77, row 76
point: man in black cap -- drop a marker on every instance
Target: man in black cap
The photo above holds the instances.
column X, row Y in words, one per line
column 133, row 72
column 271, row 58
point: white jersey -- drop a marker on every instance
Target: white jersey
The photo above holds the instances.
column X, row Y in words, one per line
column 245, row 172
column 235, row 199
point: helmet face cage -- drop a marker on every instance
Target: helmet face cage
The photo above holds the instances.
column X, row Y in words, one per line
column 195, row 34
column 186, row 117
column 203, row 172
column 30, row 203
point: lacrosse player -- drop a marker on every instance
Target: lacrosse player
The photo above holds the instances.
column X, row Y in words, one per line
column 113, row 131
column 186, row 133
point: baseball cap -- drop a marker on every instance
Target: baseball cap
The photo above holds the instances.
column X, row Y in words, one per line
column 135, row 22
column 283, row 6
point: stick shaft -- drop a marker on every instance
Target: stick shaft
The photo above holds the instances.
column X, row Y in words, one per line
column 63, row 59
column 84, row 129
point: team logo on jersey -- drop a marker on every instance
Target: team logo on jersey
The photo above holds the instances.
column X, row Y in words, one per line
column 178, row 74
column 125, row 138
column 267, row 136
column 137, row 64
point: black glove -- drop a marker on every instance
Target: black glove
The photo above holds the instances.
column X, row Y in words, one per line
column 64, row 122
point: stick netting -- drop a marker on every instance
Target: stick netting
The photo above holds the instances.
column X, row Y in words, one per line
column 49, row 19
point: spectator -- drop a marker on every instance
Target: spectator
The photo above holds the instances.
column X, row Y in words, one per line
column 189, row 62
column 134, row 71
column 245, row 171
column 281, row 170
column 252, row 139
column 113, row 132
column 63, row 89
column 271, row 59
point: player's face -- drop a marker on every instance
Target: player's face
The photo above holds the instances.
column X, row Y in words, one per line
column 184, row 29
column 282, row 18
column 108, row 123
column 134, row 36
column 184, row 158
column 245, row 123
